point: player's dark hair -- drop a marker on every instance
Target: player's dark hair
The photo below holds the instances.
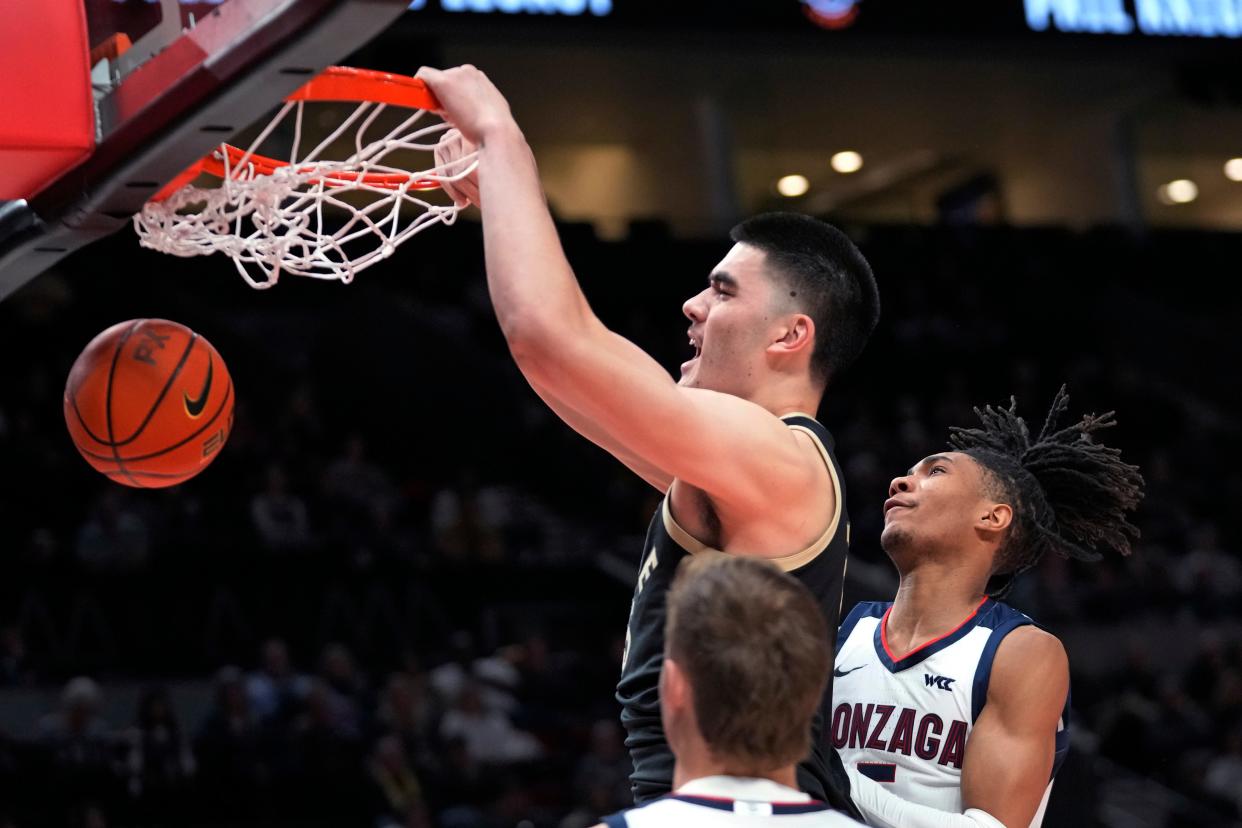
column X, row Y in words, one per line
column 1070, row 494
column 828, row 279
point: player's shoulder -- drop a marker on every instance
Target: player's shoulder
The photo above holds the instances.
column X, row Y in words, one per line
column 865, row 609
column 1031, row 646
column 1019, row 643
column 1029, row 663
column 861, row 610
column 996, row 614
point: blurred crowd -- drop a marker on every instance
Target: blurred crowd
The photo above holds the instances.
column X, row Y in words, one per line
column 386, row 449
column 470, row 743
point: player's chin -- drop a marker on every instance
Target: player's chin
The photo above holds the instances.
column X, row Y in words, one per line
column 895, row 537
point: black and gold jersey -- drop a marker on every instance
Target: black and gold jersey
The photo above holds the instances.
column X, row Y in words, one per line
column 821, row 566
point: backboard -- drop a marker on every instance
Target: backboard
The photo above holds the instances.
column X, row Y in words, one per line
column 108, row 100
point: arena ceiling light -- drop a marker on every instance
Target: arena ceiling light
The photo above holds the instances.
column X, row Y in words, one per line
column 1233, row 169
column 846, row 162
column 1181, row 191
column 792, row 186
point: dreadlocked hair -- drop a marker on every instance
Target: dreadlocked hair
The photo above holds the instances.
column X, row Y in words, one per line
column 1070, row 494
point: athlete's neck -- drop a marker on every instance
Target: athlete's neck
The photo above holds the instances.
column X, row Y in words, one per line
column 933, row 598
column 684, row 772
column 788, row 395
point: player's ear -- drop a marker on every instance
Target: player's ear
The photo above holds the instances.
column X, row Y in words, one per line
column 674, row 689
column 796, row 334
column 997, row 517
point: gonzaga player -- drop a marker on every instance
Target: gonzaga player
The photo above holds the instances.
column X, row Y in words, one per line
column 951, row 709
column 747, row 658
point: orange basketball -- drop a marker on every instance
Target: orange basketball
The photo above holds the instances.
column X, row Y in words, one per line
column 149, row 403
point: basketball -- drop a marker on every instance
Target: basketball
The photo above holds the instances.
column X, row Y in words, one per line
column 149, row 403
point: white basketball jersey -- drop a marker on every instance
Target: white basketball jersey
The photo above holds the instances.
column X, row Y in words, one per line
column 905, row 721
column 732, row 802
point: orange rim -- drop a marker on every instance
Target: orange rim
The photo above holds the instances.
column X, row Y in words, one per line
column 341, row 83
column 336, row 83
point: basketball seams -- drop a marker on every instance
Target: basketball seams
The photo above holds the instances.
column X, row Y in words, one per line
column 73, row 400
column 116, row 356
column 100, row 378
column 160, row 475
column 228, row 393
column 157, row 481
column 185, row 355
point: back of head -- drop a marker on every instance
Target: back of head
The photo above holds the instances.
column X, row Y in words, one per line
column 826, row 278
column 754, row 647
column 1070, row 493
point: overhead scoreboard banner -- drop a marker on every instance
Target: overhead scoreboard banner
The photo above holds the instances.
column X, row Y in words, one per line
column 1136, row 19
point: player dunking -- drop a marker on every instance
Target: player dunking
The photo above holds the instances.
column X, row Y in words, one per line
column 951, row 709
column 746, row 468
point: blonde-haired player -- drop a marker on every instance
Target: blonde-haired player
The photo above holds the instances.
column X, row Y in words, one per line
column 747, row 656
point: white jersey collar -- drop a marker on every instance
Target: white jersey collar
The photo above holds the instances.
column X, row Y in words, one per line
column 741, row 787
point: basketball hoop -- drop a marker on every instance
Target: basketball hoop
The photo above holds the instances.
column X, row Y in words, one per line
column 311, row 216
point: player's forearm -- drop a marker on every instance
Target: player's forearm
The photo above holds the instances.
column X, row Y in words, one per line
column 883, row 809
column 533, row 288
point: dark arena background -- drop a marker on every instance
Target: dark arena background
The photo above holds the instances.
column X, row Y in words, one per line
column 398, row 596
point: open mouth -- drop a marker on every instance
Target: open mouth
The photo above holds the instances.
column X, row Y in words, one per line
column 697, row 347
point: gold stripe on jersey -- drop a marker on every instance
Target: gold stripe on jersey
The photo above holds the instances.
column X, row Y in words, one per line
column 786, row 562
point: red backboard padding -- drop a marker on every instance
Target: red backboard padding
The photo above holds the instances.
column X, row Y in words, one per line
column 47, row 115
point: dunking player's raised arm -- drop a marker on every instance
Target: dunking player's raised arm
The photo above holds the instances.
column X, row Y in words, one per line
column 734, row 443
column 733, row 449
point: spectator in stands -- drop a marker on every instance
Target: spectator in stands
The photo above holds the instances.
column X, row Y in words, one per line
column 1224, row 773
column 354, row 479
column 279, row 516
column 231, row 750
column 495, row 675
column 13, row 666
column 347, row 686
column 395, row 792
column 275, row 690
column 160, row 762
column 489, row 736
column 115, row 537
column 601, row 781
column 324, row 746
column 461, row 785
column 407, row 713
column 464, row 530
column 80, row 746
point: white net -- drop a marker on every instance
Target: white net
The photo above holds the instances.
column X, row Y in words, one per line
column 326, row 219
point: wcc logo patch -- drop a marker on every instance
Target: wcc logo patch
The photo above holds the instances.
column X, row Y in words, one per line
column 943, row 682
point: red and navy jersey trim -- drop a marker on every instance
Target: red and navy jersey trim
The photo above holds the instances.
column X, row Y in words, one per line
column 861, row 610
column 923, row 651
